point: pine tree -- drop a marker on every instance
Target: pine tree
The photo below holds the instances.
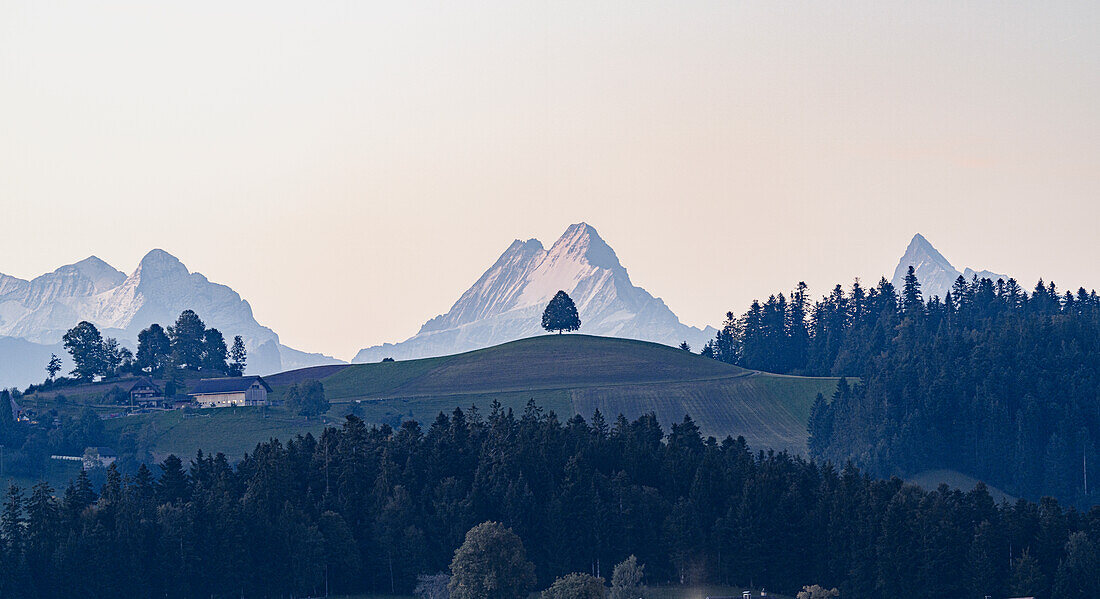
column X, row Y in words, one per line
column 561, row 314
column 12, row 525
column 187, row 339
column 1079, row 571
column 53, row 367
column 214, row 351
column 912, row 302
column 237, row 356
column 1027, row 577
column 154, row 349
column 174, row 484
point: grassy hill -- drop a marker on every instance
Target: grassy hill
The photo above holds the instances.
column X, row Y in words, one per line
column 576, row 374
column 570, row 374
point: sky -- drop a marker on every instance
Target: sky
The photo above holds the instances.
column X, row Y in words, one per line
column 351, row 167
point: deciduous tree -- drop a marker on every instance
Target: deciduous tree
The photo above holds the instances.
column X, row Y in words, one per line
column 85, row 344
column 561, row 314
column 491, row 564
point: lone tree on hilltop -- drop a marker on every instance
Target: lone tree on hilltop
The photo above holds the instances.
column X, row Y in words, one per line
column 561, row 314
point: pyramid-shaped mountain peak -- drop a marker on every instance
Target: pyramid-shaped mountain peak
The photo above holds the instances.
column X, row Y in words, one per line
column 505, row 303
column 582, row 241
column 933, row 270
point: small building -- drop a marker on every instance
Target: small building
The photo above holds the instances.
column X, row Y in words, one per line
column 17, row 412
column 100, row 457
column 230, row 391
column 146, row 393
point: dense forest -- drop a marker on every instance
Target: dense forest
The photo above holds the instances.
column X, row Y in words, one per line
column 991, row 381
column 369, row 508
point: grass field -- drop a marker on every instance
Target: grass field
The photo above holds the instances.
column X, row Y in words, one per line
column 569, row 374
column 577, row 374
column 232, row 431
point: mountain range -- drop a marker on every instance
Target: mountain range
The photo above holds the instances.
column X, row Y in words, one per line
column 503, row 305
column 506, row 303
column 35, row 314
column 935, row 273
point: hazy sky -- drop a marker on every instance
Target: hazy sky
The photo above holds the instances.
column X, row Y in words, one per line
column 351, row 167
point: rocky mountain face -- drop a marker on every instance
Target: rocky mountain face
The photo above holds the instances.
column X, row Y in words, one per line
column 935, row 273
column 39, row 311
column 506, row 303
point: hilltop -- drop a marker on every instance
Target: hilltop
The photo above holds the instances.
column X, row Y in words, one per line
column 504, row 304
column 577, row 374
column 569, row 374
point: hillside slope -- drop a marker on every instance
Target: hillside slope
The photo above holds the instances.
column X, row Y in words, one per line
column 577, row 374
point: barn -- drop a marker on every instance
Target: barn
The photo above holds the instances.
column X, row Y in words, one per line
column 230, row 391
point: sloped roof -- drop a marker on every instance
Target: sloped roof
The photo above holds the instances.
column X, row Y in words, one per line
column 234, row 384
column 144, row 382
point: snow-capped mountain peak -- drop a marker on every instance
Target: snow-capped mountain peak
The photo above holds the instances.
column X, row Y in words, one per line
column 933, row 270
column 39, row 311
column 159, row 263
column 102, row 275
column 505, row 303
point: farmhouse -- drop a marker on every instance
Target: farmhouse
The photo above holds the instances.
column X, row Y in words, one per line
column 230, row 391
column 146, row 393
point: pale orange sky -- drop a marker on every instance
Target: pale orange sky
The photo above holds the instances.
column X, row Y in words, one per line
column 350, row 168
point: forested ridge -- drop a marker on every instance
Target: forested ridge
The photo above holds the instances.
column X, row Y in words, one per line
column 369, row 508
column 990, row 380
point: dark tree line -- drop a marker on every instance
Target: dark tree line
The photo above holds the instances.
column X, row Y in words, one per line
column 990, row 380
column 362, row 509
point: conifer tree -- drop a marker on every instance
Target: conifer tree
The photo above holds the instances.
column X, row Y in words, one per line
column 154, row 349
column 187, row 339
column 238, row 357
column 912, row 301
column 214, row 352
column 53, row 367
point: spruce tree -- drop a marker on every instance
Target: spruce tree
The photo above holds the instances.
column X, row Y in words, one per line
column 54, row 366
column 154, row 348
column 912, row 301
column 214, row 351
column 187, row 339
column 238, row 357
